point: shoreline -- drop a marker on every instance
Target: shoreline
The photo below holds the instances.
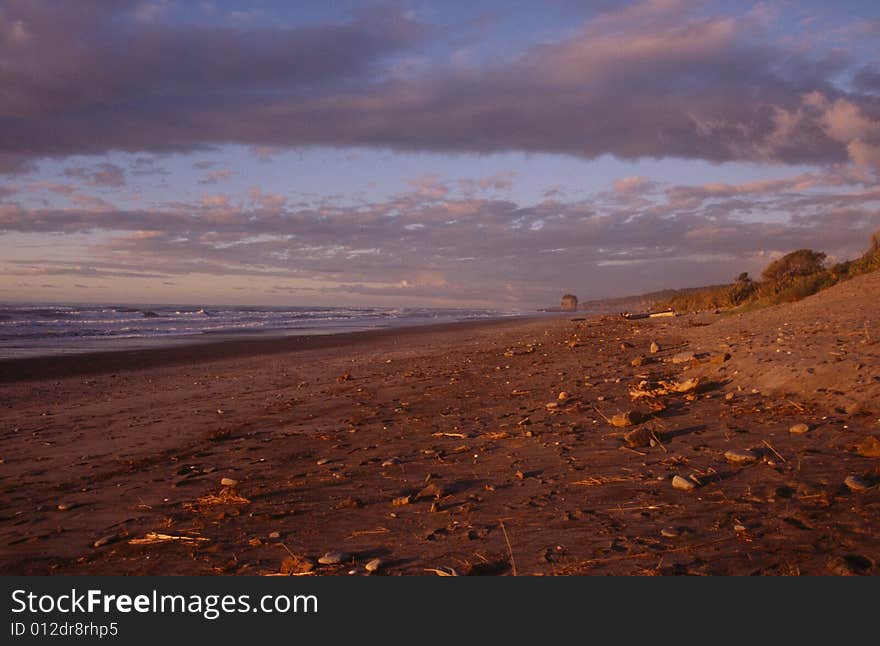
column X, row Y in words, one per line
column 222, row 346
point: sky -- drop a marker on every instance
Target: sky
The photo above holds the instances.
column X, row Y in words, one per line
column 413, row 153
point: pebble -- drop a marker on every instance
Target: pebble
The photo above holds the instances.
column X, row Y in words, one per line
column 627, row 418
column 799, row 429
column 374, row 565
column 274, row 534
column 228, row 482
column 562, row 396
column 670, row 532
column 729, row 397
column 322, row 461
column 683, row 484
column 390, row 462
column 683, row 357
column 66, row 506
column 735, row 456
column 333, row 558
column 857, row 483
column 638, row 437
column 739, row 528
column 654, row 347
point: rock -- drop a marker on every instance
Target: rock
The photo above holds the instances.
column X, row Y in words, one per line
column 401, row 501
column 562, row 396
column 683, row 484
column 654, row 347
column 390, row 462
column 333, row 558
column 295, row 564
column 683, row 357
column 552, row 406
column 799, row 429
column 729, row 397
column 638, row 361
column 638, row 437
column 106, row 540
column 67, row 506
column 736, row 456
column 374, row 565
column 857, row 483
column 739, row 528
column 322, row 461
column 433, row 490
column 627, row 418
column 868, row 447
column 670, row 532
column 228, row 482
column 275, row 535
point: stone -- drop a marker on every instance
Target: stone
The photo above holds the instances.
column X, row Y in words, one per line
column 683, row 484
column 296, row 564
column 729, row 397
column 683, row 357
column 374, row 565
column 333, row 558
column 433, row 490
column 275, row 535
column 654, row 347
column 739, row 528
column 868, row 447
column 401, row 501
column 67, row 506
column 390, row 462
column 562, row 396
column 670, row 532
column 638, row 437
column 627, row 418
column 736, row 456
column 857, row 483
column 228, row 482
column 322, row 462
column 799, row 429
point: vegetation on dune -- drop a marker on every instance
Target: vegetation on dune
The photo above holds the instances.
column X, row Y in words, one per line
column 789, row 278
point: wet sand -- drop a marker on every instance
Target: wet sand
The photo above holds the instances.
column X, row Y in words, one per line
column 435, row 448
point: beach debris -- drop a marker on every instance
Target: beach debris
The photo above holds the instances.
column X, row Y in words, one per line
column 857, row 483
column 670, row 532
column 333, row 558
column 107, row 540
column 655, row 347
column 443, row 570
column 374, row 565
column 664, row 387
column 683, row 357
column 228, row 482
column 227, row 496
column 152, row 538
column 296, row 564
column 683, row 484
column 798, row 429
column 736, row 456
column 869, row 447
column 627, row 418
column 518, row 393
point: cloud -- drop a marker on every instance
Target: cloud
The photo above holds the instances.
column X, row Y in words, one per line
column 216, row 176
column 103, row 175
column 659, row 78
column 437, row 241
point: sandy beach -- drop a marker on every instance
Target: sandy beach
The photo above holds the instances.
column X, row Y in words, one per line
column 478, row 448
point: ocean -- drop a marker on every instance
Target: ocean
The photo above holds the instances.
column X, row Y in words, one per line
column 44, row 330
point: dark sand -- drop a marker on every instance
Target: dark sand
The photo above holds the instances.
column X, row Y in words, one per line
column 324, row 434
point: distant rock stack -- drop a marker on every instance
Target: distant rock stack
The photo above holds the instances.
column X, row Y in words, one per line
column 569, row 303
